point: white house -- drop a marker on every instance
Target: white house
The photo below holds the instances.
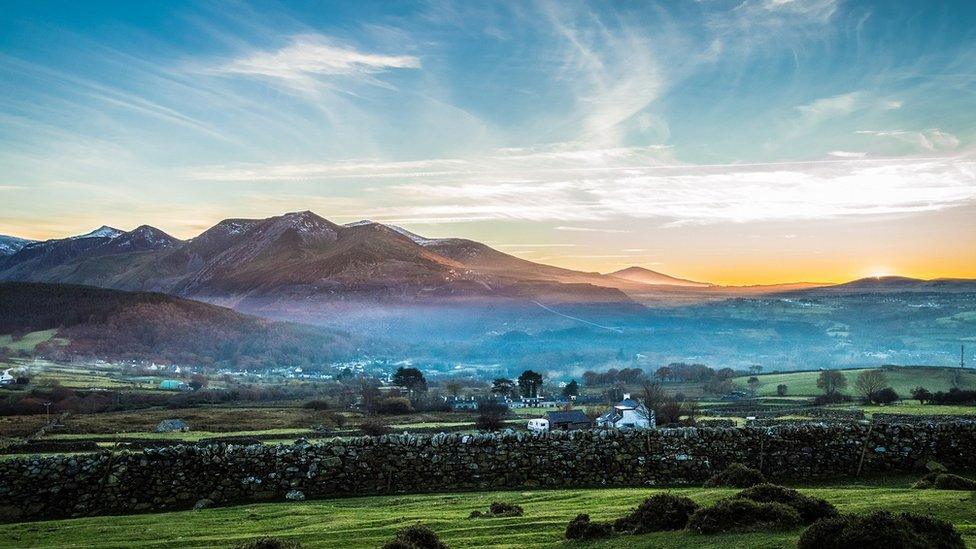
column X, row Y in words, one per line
column 627, row 414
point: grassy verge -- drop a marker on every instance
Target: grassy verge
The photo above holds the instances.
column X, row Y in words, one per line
column 369, row 521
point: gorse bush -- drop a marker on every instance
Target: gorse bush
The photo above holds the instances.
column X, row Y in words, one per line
column 736, row 475
column 373, row 428
column 743, row 515
column 502, row 509
column 656, row 513
column 810, row 508
column 944, row 481
column 881, row 530
column 417, row 536
column 948, row 481
column 499, row 509
column 583, row 528
column 269, row 543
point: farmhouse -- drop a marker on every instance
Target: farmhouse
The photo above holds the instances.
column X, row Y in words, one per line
column 569, row 420
column 627, row 414
column 172, row 426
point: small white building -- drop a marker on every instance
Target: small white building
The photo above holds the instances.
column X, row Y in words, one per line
column 539, row 425
column 627, row 414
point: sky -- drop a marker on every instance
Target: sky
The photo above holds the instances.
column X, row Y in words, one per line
column 735, row 142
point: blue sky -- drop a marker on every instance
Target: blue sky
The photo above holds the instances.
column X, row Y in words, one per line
column 593, row 135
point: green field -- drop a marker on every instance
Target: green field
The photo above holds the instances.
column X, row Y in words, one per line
column 369, row 521
column 902, row 380
column 189, row 436
column 29, row 341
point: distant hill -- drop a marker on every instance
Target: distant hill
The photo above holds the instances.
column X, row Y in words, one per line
column 113, row 324
column 647, row 276
column 892, row 284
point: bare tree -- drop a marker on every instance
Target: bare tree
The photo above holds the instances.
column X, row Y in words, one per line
column 654, row 395
column 869, row 382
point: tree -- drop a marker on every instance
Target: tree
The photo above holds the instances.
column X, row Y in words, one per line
column 831, row 381
column 490, row 416
column 755, row 369
column 921, row 394
column 411, row 378
column 198, row 381
column 664, row 372
column 781, row 389
column 753, row 384
column 571, row 389
column 502, row 387
column 870, row 382
column 654, row 395
column 886, row 395
column 529, row 383
column 453, row 388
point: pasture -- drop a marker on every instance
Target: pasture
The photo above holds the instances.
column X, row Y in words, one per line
column 367, row 522
column 901, row 379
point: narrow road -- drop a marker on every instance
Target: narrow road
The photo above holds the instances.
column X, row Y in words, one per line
column 611, row 328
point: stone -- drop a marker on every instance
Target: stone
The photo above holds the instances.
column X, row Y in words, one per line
column 204, row 503
column 295, row 495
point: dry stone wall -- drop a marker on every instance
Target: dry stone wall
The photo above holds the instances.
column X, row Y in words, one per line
column 177, row 477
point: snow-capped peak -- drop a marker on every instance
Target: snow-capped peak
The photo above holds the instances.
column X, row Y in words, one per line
column 11, row 244
column 102, row 232
column 416, row 237
column 359, row 223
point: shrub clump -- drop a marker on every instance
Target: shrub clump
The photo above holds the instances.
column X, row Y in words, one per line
column 810, row 508
column 657, row 513
column 948, row 481
column 269, row 543
column 582, row 527
column 499, row 509
column 417, row 536
column 743, row 515
column 944, row 481
column 737, row 475
column 881, row 530
column 373, row 428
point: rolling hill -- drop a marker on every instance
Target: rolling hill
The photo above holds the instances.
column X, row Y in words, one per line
column 647, row 276
column 901, row 378
column 112, row 324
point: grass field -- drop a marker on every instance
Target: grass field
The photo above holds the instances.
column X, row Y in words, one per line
column 28, row 342
column 901, row 379
column 369, row 521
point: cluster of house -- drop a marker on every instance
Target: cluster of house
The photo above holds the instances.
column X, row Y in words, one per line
column 460, row 404
column 6, row 378
column 626, row 414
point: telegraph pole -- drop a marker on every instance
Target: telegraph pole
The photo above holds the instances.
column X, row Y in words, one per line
column 962, row 356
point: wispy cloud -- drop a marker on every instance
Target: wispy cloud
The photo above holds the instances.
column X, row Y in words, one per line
column 590, row 230
column 829, row 107
column 309, row 59
column 928, row 140
column 641, row 184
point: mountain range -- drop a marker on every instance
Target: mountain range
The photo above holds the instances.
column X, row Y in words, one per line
column 300, row 257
